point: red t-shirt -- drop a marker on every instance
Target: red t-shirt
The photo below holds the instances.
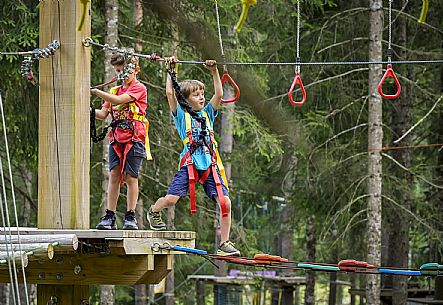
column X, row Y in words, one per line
column 137, row 91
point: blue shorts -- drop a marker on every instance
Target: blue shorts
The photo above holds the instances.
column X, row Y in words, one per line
column 180, row 184
column 133, row 160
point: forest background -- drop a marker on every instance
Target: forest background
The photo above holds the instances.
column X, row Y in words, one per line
column 300, row 177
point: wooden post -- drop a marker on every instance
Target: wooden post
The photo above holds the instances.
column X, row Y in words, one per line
column 63, row 159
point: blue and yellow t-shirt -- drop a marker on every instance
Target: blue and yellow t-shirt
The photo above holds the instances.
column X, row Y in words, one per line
column 201, row 156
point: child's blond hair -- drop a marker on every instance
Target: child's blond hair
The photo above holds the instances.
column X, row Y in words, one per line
column 190, row 85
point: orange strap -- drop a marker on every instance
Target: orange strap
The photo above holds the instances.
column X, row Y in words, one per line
column 122, row 153
column 193, row 178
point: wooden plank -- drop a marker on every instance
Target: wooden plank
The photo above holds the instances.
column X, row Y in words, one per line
column 160, row 272
column 136, row 246
column 91, row 269
column 93, row 233
column 62, row 294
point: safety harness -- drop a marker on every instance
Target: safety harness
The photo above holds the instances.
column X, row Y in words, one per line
column 193, row 144
column 124, row 122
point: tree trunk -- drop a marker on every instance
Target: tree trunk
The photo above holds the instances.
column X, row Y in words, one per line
column 107, row 292
column 375, row 138
column 402, row 121
column 286, row 242
column 310, row 275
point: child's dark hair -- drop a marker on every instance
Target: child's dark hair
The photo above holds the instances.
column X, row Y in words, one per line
column 190, row 85
column 119, row 59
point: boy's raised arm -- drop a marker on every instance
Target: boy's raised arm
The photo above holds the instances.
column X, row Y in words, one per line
column 170, row 94
column 211, row 65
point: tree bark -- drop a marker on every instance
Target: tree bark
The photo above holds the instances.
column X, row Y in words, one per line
column 402, row 121
column 107, row 292
column 310, row 275
column 375, row 138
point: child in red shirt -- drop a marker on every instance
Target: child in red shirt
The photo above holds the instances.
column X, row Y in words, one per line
column 128, row 139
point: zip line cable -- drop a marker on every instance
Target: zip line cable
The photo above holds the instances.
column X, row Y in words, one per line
column 6, row 210
column 88, row 42
column 14, row 201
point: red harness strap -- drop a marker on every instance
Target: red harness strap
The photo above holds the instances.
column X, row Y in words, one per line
column 122, row 153
column 193, row 178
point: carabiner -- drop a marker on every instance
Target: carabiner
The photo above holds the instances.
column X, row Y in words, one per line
column 389, row 73
column 226, row 78
column 297, row 81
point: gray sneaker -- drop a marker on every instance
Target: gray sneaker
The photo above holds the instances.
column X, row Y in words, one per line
column 107, row 222
column 227, row 249
column 155, row 220
column 130, row 221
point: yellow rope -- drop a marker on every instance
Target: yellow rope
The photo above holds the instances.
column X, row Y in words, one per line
column 424, row 11
column 244, row 14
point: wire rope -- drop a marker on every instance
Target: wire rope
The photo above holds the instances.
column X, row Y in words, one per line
column 88, row 41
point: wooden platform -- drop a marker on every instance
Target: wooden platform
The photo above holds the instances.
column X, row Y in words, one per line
column 120, row 257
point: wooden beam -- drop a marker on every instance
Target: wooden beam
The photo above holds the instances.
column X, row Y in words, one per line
column 68, row 242
column 63, row 152
column 63, row 159
column 63, row 294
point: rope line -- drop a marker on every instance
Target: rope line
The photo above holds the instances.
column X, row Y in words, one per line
column 405, row 147
column 7, row 227
column 390, row 31
column 297, row 65
column 88, row 41
column 14, row 202
column 273, row 261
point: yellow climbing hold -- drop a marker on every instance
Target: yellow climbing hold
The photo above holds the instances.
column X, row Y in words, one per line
column 246, row 4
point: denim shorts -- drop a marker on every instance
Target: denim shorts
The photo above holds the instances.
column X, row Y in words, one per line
column 133, row 160
column 180, row 184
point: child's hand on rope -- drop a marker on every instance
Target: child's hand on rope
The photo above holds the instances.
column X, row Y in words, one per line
column 211, row 65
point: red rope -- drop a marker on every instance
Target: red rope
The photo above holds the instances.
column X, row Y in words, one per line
column 404, row 147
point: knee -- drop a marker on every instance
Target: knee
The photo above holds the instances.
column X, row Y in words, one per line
column 170, row 201
column 228, row 204
column 114, row 176
column 131, row 181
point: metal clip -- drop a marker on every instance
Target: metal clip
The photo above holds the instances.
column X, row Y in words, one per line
column 53, row 300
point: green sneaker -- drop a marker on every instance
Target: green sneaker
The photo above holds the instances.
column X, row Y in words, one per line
column 227, row 249
column 155, row 220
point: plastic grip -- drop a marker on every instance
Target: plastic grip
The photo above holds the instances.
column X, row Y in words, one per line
column 399, row 272
column 317, row 267
column 389, row 73
column 269, row 257
column 297, row 81
column 226, row 78
column 189, row 250
column 353, row 265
